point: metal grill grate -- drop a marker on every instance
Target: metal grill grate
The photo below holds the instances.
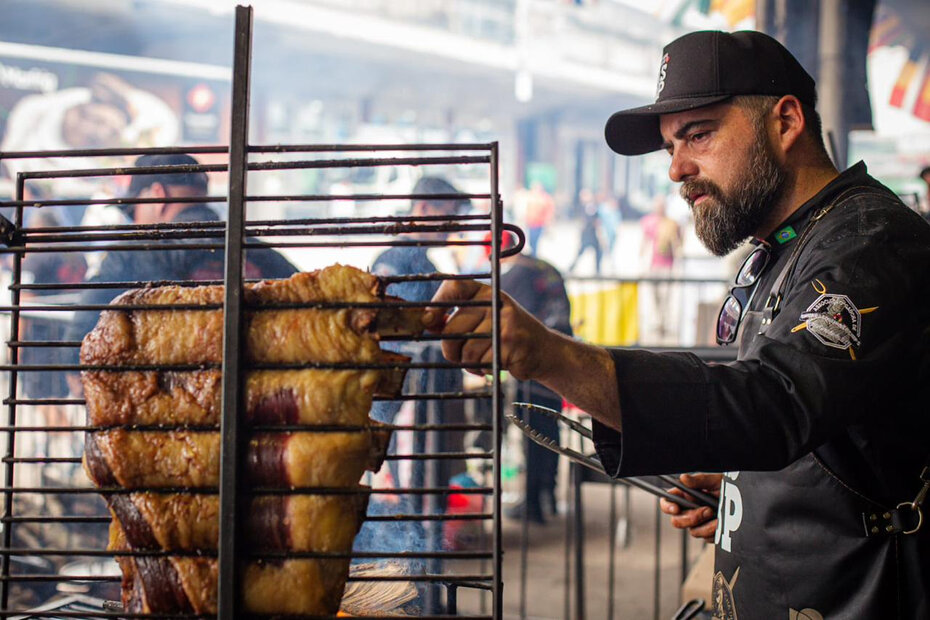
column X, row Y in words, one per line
column 55, row 522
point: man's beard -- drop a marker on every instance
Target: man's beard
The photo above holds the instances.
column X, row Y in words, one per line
column 725, row 219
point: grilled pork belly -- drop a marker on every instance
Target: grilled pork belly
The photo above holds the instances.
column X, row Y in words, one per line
column 190, row 521
column 185, row 462
column 271, row 396
column 285, row 336
column 165, row 459
column 178, row 584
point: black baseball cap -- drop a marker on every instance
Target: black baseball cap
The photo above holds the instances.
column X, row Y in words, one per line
column 439, row 185
column 707, row 67
column 191, row 176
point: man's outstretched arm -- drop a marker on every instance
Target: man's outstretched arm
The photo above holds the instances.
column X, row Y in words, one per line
column 583, row 374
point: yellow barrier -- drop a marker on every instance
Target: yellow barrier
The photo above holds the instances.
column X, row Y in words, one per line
column 606, row 314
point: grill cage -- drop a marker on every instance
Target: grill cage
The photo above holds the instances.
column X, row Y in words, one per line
column 50, row 518
column 20, row 500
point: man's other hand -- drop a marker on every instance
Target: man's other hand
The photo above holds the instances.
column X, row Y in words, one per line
column 701, row 522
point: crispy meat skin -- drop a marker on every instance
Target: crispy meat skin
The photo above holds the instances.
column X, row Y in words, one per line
column 187, row 584
column 190, row 522
column 289, row 336
column 272, row 396
column 164, row 459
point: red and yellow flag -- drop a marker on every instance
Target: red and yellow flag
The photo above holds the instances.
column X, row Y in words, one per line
column 905, row 77
column 922, row 105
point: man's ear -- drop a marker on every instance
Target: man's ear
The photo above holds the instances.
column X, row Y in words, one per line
column 789, row 122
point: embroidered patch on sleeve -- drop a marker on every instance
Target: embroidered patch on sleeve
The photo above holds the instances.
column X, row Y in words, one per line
column 834, row 320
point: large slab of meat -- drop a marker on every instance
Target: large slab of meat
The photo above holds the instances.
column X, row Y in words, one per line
column 171, row 464
column 325, row 523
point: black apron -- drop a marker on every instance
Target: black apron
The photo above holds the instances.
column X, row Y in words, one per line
column 779, row 531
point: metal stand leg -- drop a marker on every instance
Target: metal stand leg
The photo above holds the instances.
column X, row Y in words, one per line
column 625, row 524
column 612, row 551
column 524, row 554
column 567, row 543
column 684, row 559
column 657, row 580
column 578, row 476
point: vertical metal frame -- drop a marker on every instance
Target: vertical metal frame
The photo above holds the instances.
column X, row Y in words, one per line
column 231, row 417
column 9, row 465
column 497, row 222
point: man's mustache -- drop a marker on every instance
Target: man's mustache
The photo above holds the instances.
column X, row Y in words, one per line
column 699, row 186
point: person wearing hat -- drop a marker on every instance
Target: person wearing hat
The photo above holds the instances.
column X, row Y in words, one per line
column 434, row 197
column 822, row 423
column 171, row 196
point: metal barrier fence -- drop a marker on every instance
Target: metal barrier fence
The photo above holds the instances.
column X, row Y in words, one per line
column 643, row 576
column 646, row 311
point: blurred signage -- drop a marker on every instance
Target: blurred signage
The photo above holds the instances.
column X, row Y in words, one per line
column 57, row 105
column 201, row 115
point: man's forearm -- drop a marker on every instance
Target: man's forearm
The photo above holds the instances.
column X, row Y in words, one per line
column 584, row 375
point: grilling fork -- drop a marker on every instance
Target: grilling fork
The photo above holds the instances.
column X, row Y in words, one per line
column 702, row 498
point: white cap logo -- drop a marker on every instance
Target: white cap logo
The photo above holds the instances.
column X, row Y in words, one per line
column 663, row 70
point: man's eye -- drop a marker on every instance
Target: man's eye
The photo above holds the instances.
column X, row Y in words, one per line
column 700, row 136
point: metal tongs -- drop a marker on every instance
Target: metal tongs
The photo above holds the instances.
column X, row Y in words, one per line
column 592, row 462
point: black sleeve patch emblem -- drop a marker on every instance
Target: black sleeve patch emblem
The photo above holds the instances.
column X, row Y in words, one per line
column 834, row 320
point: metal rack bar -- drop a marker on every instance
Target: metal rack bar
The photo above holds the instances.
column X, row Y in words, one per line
column 254, row 148
column 230, row 578
column 258, row 166
column 219, row 246
column 321, row 305
column 428, row 456
column 497, row 408
column 408, row 577
column 161, row 226
column 270, row 554
column 253, row 491
column 475, row 516
column 190, row 283
column 282, row 428
column 84, row 615
column 11, row 419
column 449, row 225
column 181, row 367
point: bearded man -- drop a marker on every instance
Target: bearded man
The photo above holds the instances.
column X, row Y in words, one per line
column 821, row 424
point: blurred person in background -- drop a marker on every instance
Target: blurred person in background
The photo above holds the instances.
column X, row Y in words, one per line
column 540, row 210
column 608, row 212
column 168, row 264
column 661, row 243
column 61, row 269
column 821, row 424
column 661, row 239
column 412, row 261
column 51, row 267
column 590, row 236
column 538, row 287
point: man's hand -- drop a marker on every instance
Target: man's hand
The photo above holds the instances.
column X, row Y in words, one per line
column 702, row 522
column 524, row 340
column 581, row 373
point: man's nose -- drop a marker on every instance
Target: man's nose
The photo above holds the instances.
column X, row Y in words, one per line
column 682, row 167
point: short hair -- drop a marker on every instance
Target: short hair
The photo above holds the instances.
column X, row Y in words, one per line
column 759, row 105
column 196, row 179
column 925, row 172
column 439, row 185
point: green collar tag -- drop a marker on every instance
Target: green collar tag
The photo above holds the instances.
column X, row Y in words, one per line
column 785, row 235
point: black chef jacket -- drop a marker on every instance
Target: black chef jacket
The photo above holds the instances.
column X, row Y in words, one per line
column 824, row 417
